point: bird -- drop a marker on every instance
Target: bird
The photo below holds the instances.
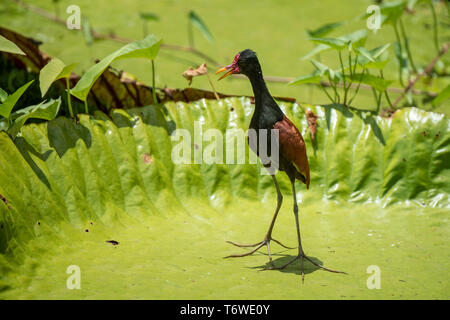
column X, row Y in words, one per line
column 287, row 155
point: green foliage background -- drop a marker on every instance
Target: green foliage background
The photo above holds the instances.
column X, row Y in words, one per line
column 279, row 39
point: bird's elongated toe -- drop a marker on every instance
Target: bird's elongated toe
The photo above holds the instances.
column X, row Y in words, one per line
column 257, row 246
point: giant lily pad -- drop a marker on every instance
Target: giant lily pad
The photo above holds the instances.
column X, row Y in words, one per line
column 379, row 196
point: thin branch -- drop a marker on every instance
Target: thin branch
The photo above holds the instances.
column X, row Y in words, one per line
column 427, row 71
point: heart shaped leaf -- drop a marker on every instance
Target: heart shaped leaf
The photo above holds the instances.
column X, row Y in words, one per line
column 147, row 48
column 52, row 71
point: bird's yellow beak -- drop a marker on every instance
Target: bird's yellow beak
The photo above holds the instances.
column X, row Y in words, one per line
column 233, row 68
column 226, row 74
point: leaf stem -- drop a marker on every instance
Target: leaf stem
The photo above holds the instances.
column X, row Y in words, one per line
column 212, row 86
column 357, row 88
column 326, row 92
column 356, row 62
column 86, row 109
column 385, row 91
column 376, row 98
column 379, row 102
column 406, row 41
column 69, row 98
column 155, row 101
column 337, row 97
column 350, row 63
column 343, row 76
column 400, row 62
column 435, row 27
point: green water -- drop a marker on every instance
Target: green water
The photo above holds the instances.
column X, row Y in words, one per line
column 181, row 256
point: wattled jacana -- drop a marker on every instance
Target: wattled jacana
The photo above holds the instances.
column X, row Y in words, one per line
column 292, row 158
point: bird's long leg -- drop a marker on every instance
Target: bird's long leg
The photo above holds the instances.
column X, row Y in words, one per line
column 268, row 236
column 301, row 254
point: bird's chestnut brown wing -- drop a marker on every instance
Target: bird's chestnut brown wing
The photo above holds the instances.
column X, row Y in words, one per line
column 292, row 146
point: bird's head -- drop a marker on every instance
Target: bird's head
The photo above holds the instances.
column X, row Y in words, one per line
column 245, row 62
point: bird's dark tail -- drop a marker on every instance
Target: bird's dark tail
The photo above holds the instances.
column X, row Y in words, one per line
column 302, row 178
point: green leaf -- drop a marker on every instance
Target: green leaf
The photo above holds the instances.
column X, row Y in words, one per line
column 45, row 111
column 336, row 75
column 7, row 106
column 392, row 11
column 67, row 71
column 376, row 82
column 324, row 30
column 49, row 73
column 149, row 16
column 310, row 78
column 380, row 63
column 3, row 95
column 379, row 55
column 146, row 48
column 321, row 68
column 365, row 53
column 356, row 39
column 52, row 71
column 200, row 25
column 377, row 52
column 442, row 96
column 9, row 46
column 411, row 4
column 318, row 49
column 334, row 43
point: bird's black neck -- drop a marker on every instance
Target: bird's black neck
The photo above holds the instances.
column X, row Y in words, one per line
column 260, row 90
column 264, row 103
